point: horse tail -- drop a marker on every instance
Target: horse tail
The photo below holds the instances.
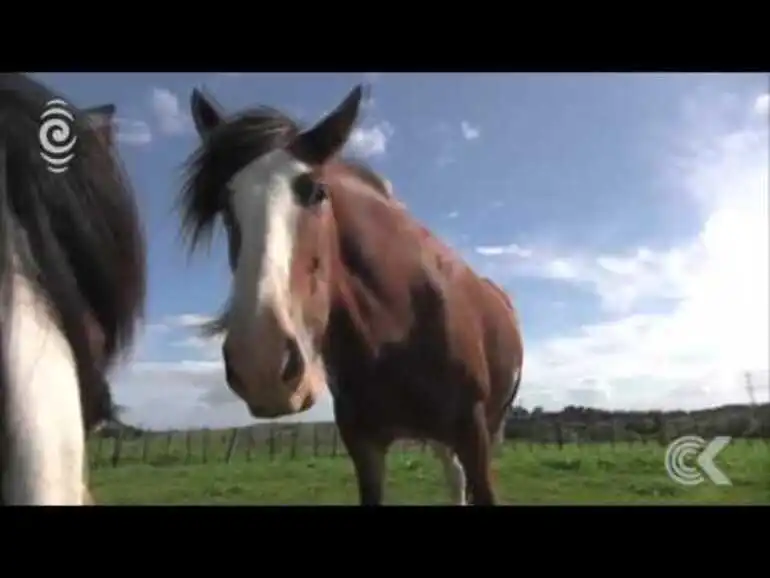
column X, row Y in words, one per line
column 499, row 433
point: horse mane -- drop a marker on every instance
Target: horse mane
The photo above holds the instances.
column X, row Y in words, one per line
column 367, row 174
column 228, row 148
column 75, row 236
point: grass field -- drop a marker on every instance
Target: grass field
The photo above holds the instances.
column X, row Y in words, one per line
column 526, row 474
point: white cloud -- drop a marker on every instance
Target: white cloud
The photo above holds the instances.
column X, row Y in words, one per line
column 190, row 325
column 469, row 131
column 133, row 132
column 372, row 141
column 171, row 118
column 187, row 394
column 448, row 146
column 204, row 348
column 715, row 285
column 156, row 328
column 619, row 281
column 495, row 250
column 190, row 391
column 189, row 320
column 762, row 104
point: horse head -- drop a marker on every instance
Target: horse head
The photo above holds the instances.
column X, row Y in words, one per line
column 264, row 176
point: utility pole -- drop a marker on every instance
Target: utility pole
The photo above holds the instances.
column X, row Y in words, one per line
column 750, row 387
column 754, row 425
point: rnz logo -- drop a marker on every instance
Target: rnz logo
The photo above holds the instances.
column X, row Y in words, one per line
column 57, row 139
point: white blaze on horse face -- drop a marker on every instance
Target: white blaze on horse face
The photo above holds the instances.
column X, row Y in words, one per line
column 45, row 465
column 267, row 212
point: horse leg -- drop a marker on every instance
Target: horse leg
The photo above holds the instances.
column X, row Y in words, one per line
column 368, row 456
column 453, row 472
column 472, row 445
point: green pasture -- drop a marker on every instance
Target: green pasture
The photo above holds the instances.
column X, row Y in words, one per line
column 215, row 468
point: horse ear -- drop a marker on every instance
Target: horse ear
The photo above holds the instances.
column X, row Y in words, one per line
column 318, row 144
column 206, row 114
column 100, row 120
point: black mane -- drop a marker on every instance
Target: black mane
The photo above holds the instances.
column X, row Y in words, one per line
column 225, row 151
column 75, row 235
column 228, row 149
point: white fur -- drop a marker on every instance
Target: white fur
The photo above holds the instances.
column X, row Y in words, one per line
column 453, row 469
column 453, row 472
column 46, row 460
column 267, row 211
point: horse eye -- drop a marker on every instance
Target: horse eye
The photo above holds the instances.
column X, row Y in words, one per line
column 308, row 190
column 319, row 193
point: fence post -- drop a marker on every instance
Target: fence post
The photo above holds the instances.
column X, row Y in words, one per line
column 169, row 438
column 91, row 455
column 614, row 433
column 559, row 435
column 99, row 443
column 661, row 425
column 271, row 442
column 315, row 440
column 145, row 448
column 205, row 442
column 116, row 448
column 188, row 446
column 231, row 446
column 533, row 432
column 294, row 441
column 249, row 443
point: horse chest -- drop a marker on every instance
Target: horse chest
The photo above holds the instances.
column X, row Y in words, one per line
column 413, row 407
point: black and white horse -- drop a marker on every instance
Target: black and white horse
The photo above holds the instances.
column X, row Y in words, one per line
column 72, row 286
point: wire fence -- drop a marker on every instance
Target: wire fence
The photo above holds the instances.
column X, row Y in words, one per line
column 125, row 446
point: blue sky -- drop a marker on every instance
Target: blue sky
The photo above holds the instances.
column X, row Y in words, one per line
column 626, row 214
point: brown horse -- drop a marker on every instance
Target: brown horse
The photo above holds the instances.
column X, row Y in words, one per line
column 336, row 285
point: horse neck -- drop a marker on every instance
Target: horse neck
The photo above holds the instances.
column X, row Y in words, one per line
column 357, row 260
column 43, row 450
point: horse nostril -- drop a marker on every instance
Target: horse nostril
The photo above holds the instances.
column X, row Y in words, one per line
column 293, row 364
